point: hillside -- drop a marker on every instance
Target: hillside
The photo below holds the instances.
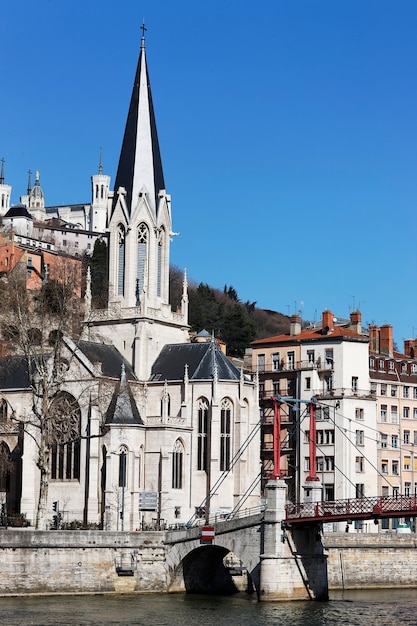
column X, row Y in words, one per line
column 235, row 322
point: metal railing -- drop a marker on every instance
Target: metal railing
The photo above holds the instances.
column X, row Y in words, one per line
column 359, row 508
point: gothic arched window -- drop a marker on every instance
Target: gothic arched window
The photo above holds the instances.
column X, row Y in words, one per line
column 202, row 433
column 121, row 261
column 141, row 258
column 225, row 431
column 65, row 432
column 159, row 262
column 177, row 464
column 123, row 467
column 3, row 410
column 6, row 467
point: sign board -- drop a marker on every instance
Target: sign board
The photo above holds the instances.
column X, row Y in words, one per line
column 148, row 500
column 207, row 533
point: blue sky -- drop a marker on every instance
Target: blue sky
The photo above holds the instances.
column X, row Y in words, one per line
column 287, row 128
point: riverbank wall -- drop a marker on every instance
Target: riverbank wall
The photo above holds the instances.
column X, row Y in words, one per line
column 369, row 561
column 37, row 562
column 81, row 562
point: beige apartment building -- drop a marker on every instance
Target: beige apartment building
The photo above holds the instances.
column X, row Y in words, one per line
column 393, row 377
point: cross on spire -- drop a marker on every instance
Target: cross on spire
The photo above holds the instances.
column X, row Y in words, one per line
column 143, row 29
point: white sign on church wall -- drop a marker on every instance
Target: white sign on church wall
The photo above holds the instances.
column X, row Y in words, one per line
column 148, row 501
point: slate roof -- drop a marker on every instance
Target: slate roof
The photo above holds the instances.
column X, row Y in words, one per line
column 201, row 359
column 109, row 357
column 18, row 210
column 123, row 408
column 130, row 152
column 14, row 369
column 14, row 373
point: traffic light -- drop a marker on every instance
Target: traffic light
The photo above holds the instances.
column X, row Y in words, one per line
column 56, row 519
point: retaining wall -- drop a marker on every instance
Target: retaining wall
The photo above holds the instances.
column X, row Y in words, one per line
column 360, row 561
column 86, row 561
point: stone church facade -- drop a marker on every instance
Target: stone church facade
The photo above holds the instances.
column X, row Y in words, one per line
column 169, row 427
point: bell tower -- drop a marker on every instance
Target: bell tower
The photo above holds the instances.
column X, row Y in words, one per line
column 139, row 319
column 100, row 185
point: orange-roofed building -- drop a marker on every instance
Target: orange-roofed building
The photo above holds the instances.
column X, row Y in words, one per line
column 38, row 265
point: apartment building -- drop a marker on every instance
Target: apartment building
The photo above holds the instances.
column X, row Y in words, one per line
column 393, row 377
column 329, row 363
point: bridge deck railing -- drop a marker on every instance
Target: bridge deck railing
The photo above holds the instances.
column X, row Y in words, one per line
column 359, row 508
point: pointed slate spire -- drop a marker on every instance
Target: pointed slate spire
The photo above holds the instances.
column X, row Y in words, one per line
column 123, row 408
column 140, row 166
column 2, row 172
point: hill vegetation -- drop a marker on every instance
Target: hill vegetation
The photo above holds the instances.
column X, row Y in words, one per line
column 235, row 322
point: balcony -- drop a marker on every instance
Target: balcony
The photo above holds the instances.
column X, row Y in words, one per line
column 321, row 365
column 343, row 392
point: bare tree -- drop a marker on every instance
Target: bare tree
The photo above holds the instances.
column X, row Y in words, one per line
column 34, row 325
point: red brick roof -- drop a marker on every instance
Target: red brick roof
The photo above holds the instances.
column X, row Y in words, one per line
column 312, row 334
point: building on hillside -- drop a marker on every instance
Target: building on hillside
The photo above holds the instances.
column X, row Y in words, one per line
column 66, row 238
column 328, row 363
column 393, row 378
column 169, row 428
column 90, row 216
column 37, row 262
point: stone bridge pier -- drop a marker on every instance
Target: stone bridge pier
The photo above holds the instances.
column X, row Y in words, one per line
column 293, row 565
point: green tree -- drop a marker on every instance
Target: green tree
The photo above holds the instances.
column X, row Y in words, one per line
column 98, row 263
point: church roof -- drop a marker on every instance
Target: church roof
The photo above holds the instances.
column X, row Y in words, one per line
column 109, row 358
column 140, row 162
column 201, row 358
column 123, row 408
column 14, row 373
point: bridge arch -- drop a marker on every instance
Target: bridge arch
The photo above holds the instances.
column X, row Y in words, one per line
column 194, row 567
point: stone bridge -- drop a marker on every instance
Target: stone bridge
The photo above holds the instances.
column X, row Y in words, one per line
column 280, row 564
column 197, row 567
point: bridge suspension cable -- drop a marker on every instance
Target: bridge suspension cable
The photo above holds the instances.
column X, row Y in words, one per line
column 224, row 474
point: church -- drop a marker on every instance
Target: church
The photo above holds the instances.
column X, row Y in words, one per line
column 169, row 426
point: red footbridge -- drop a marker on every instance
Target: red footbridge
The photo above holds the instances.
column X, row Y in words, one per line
column 352, row 509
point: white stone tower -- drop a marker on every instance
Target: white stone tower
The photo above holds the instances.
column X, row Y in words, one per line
column 139, row 320
column 5, row 192
column 100, row 185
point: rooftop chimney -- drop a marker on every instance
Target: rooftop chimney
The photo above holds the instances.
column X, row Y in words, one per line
column 356, row 322
column 410, row 346
column 295, row 325
column 373, row 338
column 386, row 342
column 327, row 324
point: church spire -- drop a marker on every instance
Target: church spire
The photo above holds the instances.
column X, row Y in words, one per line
column 2, row 172
column 140, row 166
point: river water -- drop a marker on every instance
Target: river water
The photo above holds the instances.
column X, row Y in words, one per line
column 350, row 608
